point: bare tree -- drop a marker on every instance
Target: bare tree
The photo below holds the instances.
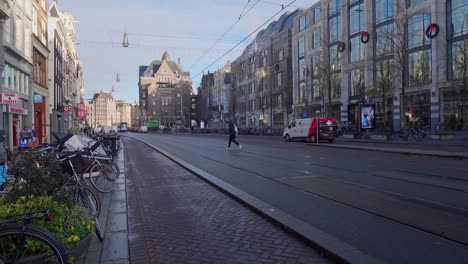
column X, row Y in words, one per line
column 323, row 66
column 392, row 49
column 460, row 74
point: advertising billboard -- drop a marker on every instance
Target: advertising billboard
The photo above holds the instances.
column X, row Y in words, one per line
column 367, row 117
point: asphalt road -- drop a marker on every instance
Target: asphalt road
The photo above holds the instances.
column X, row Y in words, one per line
column 396, row 208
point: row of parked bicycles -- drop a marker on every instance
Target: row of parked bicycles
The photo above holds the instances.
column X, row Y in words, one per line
column 89, row 167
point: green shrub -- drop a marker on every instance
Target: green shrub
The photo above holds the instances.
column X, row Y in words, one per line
column 30, row 179
column 68, row 223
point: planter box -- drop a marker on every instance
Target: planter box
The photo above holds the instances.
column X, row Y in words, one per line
column 379, row 137
column 350, row 136
column 443, row 137
column 447, row 137
column 78, row 251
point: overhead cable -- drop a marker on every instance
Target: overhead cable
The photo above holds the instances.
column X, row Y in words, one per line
column 258, row 28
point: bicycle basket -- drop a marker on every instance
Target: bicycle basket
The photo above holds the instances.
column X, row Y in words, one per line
column 80, row 163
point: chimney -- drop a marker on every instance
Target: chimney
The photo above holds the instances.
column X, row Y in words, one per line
column 178, row 61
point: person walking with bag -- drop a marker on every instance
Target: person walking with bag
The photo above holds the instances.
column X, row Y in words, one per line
column 232, row 135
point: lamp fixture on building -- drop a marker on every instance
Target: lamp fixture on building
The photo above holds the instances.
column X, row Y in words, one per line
column 125, row 43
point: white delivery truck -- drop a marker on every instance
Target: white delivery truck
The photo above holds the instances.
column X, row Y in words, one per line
column 306, row 129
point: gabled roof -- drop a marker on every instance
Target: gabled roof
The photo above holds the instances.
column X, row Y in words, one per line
column 142, row 69
column 156, row 64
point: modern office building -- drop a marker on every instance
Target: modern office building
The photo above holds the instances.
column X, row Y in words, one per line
column 408, row 58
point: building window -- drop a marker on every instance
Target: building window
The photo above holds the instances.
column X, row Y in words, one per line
column 420, row 67
column 303, row 22
column 334, row 7
column 301, row 93
column 18, row 33
column 417, row 26
column 317, row 38
column 315, row 65
column 458, row 18
column 44, row 32
column 383, row 10
column 413, row 2
column 252, row 105
column 252, row 88
column 335, row 58
column 356, row 18
column 336, row 85
column 34, row 21
column 459, row 59
column 279, row 79
column 384, row 44
column 317, row 14
column 301, row 46
column 384, row 76
column 316, row 89
column 280, row 54
column 302, row 66
column 357, row 82
column 335, row 29
column 356, row 49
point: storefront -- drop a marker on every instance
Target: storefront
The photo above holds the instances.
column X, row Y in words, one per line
column 15, row 119
column 454, row 110
column 418, row 107
column 40, row 116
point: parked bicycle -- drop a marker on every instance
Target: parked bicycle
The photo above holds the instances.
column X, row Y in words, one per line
column 23, row 242
column 81, row 193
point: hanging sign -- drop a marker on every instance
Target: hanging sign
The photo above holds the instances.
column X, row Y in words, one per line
column 10, row 98
column 365, row 37
column 432, row 30
column 81, row 110
column 37, row 98
column 66, row 108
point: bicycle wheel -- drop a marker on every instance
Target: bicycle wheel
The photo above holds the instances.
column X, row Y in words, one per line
column 114, row 166
column 87, row 198
column 102, row 176
column 30, row 244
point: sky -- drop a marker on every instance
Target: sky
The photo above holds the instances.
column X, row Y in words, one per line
column 186, row 29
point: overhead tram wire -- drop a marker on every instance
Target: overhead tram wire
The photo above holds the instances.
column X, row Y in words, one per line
column 229, row 29
column 278, row 4
column 235, row 46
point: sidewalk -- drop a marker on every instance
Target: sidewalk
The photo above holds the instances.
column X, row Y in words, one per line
column 453, row 149
column 176, row 217
column 113, row 220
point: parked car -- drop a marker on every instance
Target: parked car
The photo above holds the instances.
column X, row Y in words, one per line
column 306, row 129
column 143, row 129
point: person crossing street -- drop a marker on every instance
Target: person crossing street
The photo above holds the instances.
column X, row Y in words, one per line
column 232, row 135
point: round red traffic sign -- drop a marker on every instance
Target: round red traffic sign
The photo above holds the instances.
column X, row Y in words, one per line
column 66, row 108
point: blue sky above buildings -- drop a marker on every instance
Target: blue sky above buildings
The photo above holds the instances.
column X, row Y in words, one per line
column 183, row 28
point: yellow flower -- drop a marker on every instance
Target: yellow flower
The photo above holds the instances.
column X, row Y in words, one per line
column 70, row 239
column 92, row 222
column 73, row 229
column 89, row 227
column 76, row 238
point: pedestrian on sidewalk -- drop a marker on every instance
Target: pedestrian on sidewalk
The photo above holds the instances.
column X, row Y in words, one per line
column 232, row 135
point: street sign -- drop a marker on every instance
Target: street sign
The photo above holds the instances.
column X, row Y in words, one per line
column 16, row 110
column 81, row 110
column 37, row 98
column 10, row 98
column 66, row 108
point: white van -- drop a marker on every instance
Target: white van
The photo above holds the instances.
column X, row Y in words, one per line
column 306, row 129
